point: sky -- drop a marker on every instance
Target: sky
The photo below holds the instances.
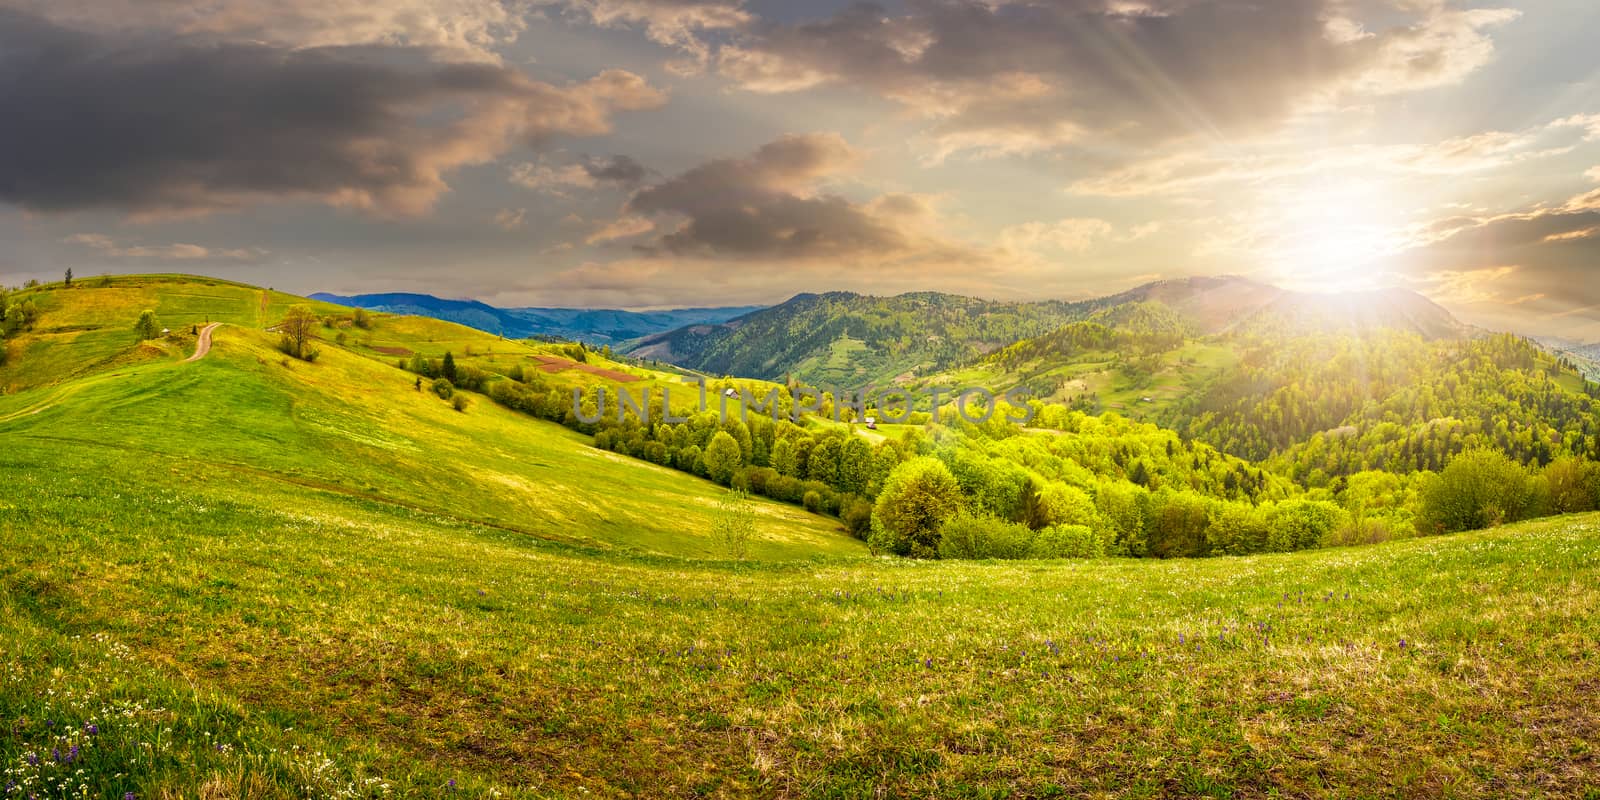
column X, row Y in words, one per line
column 671, row 153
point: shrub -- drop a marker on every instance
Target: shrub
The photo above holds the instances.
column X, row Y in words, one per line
column 459, row 402
column 812, row 501
column 1303, row 524
column 443, row 388
column 1066, row 541
column 1477, row 489
column 1574, row 485
column 973, row 536
column 733, row 525
column 856, row 514
column 146, row 326
column 1176, row 527
column 1237, row 529
column 917, row 498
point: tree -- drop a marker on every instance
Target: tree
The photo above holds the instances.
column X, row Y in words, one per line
column 448, row 367
column 147, row 326
column 722, row 457
column 1477, row 489
column 360, row 319
column 733, row 525
column 916, row 500
column 67, row 281
column 299, row 327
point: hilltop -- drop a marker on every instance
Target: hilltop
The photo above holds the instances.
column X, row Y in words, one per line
column 854, row 340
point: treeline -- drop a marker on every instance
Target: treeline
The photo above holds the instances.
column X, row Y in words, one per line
column 1323, row 407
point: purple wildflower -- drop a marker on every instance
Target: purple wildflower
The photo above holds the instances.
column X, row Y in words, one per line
column 91, row 729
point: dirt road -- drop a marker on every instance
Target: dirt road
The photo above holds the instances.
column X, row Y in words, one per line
column 203, row 346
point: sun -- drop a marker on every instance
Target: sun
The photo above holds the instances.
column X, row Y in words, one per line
column 1335, row 235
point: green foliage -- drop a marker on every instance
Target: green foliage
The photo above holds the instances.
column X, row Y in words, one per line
column 1574, row 485
column 917, row 498
column 459, row 402
column 147, row 327
column 977, row 536
column 1067, row 541
column 1478, row 489
column 443, row 388
column 1303, row 524
column 722, row 457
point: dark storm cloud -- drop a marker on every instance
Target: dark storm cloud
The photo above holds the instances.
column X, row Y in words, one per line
column 1540, row 261
column 162, row 125
column 1000, row 76
column 762, row 205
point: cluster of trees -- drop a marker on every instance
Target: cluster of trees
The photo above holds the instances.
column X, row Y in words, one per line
column 1322, row 407
column 924, row 330
column 16, row 316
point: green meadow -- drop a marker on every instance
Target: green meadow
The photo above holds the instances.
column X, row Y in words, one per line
column 254, row 577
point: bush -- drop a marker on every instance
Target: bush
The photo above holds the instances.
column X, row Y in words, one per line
column 856, row 514
column 733, row 525
column 916, row 500
column 1477, row 489
column 1303, row 524
column 443, row 388
column 1177, row 524
column 1067, row 541
column 1574, row 485
column 1237, row 529
column 459, row 402
column 975, row 536
column 812, row 501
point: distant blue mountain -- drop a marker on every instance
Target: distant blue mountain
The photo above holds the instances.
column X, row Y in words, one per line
column 593, row 325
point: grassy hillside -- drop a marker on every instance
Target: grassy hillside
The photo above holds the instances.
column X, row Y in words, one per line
column 231, row 636
column 357, row 425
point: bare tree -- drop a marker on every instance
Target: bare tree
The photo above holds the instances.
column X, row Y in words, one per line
column 299, row 327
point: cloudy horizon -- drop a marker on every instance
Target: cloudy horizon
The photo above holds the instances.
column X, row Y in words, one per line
column 686, row 153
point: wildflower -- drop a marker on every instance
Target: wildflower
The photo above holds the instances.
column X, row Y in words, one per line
column 91, row 729
column 129, row 796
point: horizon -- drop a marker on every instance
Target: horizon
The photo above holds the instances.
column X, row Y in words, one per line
column 641, row 155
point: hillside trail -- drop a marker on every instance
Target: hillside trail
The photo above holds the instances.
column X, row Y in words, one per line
column 203, row 345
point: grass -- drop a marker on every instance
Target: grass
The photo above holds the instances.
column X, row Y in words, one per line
column 414, row 649
column 251, row 578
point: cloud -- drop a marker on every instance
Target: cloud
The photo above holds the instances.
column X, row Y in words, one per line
column 588, row 173
column 1068, row 235
column 1500, row 261
column 511, row 219
column 622, row 228
column 678, row 24
column 165, row 252
column 459, row 30
column 169, row 126
column 994, row 77
column 769, row 205
column 1205, row 169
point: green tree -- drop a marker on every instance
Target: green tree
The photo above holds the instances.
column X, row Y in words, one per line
column 448, row 367
column 67, row 281
column 722, row 457
column 147, row 326
column 917, row 498
column 1478, row 489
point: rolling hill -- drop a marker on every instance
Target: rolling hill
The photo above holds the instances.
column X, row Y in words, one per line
column 595, row 326
column 846, row 339
column 249, row 576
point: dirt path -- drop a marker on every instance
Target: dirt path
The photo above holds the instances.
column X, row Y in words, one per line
column 203, row 345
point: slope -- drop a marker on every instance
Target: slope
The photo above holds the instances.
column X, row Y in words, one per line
column 357, row 426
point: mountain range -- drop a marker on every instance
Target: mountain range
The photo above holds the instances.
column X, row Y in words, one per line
column 594, row 326
column 843, row 336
